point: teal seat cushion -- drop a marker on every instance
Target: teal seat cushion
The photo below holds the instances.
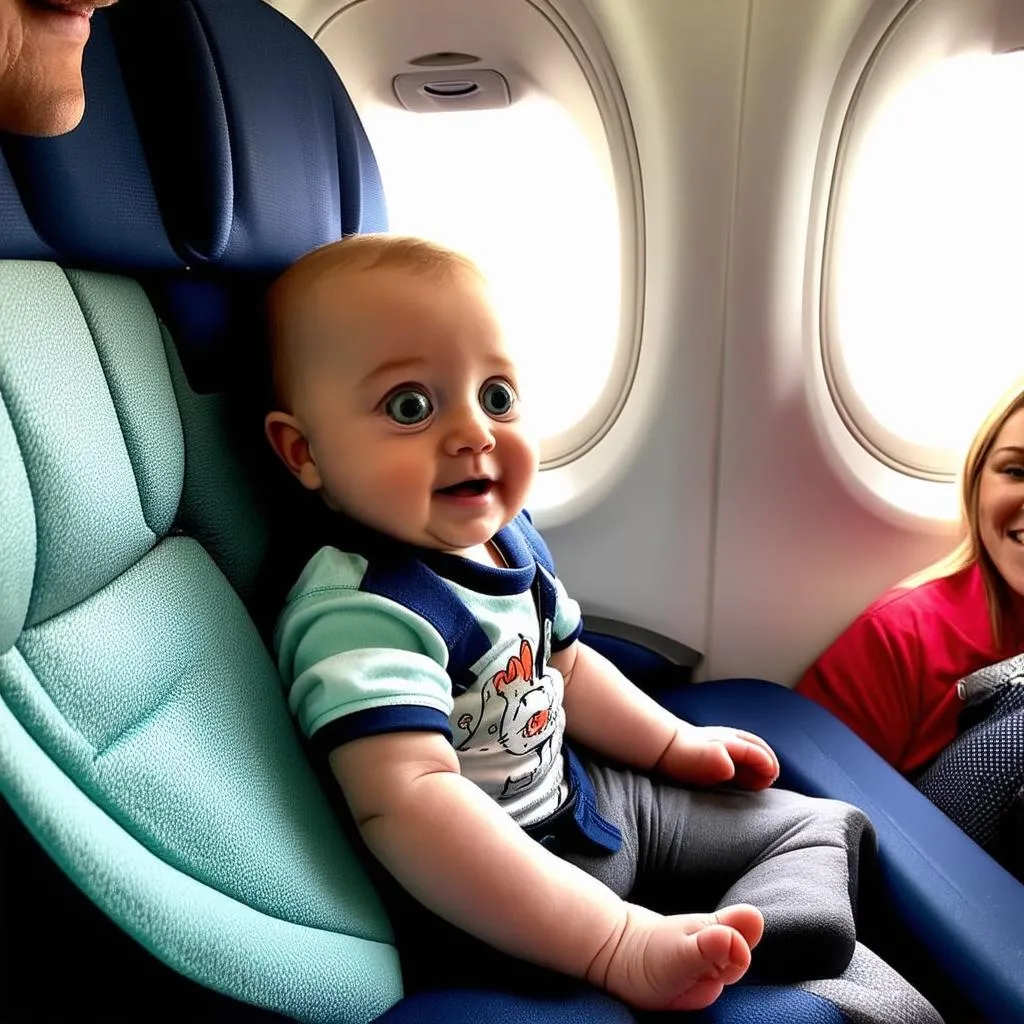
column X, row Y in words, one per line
column 146, row 742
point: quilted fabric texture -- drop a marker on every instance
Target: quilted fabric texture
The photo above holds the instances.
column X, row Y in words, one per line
column 978, row 780
column 17, row 534
column 134, row 684
column 90, row 525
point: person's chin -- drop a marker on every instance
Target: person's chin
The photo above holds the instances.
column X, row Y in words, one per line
column 1015, row 582
column 51, row 115
column 1012, row 569
column 461, row 539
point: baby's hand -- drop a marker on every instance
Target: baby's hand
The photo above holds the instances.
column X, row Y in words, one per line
column 681, row 962
column 711, row 754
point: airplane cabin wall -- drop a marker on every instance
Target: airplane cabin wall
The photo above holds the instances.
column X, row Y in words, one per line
column 790, row 554
column 644, row 553
column 797, row 555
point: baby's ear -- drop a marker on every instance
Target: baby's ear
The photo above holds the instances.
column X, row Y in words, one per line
column 292, row 448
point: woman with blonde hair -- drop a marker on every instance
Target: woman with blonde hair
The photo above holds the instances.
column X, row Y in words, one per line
column 905, row 671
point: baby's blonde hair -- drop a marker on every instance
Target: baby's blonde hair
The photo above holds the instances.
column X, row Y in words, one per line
column 353, row 254
column 971, row 549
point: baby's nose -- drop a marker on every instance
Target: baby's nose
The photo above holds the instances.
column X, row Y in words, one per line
column 470, row 432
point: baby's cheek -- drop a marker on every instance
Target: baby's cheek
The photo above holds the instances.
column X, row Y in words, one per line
column 412, row 477
column 521, row 462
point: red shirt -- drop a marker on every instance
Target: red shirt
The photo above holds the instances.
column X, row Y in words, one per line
column 892, row 675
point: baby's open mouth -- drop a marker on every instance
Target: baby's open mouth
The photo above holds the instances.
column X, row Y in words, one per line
column 467, row 488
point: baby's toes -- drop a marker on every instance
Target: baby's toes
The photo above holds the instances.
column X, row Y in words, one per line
column 747, row 920
column 698, row 996
column 725, row 953
column 718, row 956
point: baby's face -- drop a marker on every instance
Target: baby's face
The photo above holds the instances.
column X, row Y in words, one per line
column 409, row 401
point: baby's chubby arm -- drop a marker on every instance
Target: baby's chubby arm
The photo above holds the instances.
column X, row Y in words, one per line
column 607, row 713
column 456, row 851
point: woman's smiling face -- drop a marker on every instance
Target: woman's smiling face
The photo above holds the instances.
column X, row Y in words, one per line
column 1001, row 503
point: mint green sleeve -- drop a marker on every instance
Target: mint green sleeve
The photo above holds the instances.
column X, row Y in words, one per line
column 345, row 654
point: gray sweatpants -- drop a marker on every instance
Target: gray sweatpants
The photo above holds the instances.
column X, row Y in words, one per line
column 793, row 857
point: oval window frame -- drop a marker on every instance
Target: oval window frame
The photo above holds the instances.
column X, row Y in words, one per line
column 897, row 41
column 582, row 41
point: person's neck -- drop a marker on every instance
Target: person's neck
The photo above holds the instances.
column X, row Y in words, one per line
column 484, row 554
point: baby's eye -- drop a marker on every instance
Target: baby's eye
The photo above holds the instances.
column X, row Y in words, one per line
column 408, row 407
column 497, row 397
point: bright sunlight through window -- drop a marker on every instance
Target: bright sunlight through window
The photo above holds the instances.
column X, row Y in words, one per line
column 521, row 191
column 928, row 275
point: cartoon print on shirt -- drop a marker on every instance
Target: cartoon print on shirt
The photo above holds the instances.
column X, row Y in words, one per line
column 527, row 716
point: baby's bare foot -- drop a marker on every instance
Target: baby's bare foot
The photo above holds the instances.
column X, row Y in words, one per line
column 681, row 962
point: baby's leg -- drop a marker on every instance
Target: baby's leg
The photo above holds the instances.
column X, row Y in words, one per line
column 792, row 857
column 677, row 963
column 804, row 880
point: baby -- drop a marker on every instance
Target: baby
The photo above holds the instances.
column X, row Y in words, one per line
column 490, row 759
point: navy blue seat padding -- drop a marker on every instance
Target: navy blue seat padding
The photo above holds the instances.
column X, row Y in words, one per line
column 242, row 178
column 234, row 197
column 61, row 203
column 756, row 1004
column 965, row 909
column 648, row 669
column 753, row 1004
column 475, row 1006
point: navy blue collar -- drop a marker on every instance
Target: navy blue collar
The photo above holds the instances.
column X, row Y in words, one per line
column 516, row 578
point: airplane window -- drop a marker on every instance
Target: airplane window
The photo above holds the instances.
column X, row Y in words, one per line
column 921, row 302
column 526, row 193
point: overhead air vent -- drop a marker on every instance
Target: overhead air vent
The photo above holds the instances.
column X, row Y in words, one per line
column 465, row 89
column 457, row 87
column 444, row 59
